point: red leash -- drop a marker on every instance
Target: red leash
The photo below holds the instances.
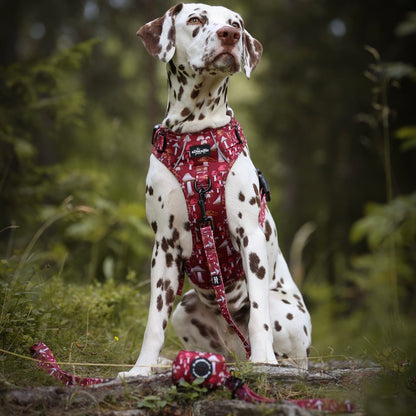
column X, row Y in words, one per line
column 208, row 241
column 217, row 283
column 189, row 366
column 48, row 363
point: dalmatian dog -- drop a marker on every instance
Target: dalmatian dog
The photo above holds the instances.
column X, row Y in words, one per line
column 202, row 47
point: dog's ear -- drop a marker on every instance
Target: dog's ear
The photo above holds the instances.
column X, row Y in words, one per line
column 252, row 51
column 158, row 36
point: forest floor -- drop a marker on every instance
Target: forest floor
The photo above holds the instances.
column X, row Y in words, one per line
column 156, row 395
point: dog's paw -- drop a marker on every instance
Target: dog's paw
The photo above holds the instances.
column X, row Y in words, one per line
column 263, row 356
column 135, row 372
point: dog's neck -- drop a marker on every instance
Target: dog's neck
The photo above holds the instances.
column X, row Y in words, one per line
column 197, row 101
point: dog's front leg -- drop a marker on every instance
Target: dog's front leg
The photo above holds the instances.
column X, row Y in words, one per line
column 164, row 285
column 243, row 207
column 167, row 215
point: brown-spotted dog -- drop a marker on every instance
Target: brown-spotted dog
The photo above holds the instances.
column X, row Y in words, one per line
column 202, row 47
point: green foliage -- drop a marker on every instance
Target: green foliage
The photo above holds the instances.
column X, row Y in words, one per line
column 43, row 104
column 38, row 101
column 407, row 135
column 396, row 220
column 184, row 393
column 99, row 323
column 394, row 392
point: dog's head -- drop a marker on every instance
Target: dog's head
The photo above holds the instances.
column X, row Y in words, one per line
column 202, row 38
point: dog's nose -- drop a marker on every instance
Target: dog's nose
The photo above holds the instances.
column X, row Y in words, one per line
column 228, row 35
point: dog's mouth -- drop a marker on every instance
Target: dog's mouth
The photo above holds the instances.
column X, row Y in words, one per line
column 226, row 62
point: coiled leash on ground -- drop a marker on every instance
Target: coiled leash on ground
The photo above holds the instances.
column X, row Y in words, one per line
column 189, row 366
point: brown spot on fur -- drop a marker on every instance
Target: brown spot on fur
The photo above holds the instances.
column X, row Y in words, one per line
column 175, row 235
column 254, row 262
column 277, row 326
column 305, row 330
column 266, row 327
column 203, row 330
column 289, row 316
column 170, row 296
column 159, row 283
column 185, row 112
column 171, row 218
column 169, row 260
column 194, row 93
column 255, row 305
column 165, row 245
column 230, row 287
column 180, row 93
column 268, row 231
column 215, row 345
column 241, row 197
column 159, row 303
column 154, row 226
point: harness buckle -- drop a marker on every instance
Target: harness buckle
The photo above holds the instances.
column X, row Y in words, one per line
column 155, row 134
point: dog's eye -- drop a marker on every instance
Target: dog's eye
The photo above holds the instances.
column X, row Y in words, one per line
column 236, row 25
column 194, row 21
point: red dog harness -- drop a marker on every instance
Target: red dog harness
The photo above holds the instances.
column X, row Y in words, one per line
column 201, row 163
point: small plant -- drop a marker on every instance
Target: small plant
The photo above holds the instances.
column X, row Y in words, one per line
column 182, row 394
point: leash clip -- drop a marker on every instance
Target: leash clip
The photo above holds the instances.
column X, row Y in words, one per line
column 201, row 202
column 264, row 186
column 236, row 382
column 237, row 133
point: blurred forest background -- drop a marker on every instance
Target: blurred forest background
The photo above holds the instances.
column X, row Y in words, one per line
column 330, row 117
